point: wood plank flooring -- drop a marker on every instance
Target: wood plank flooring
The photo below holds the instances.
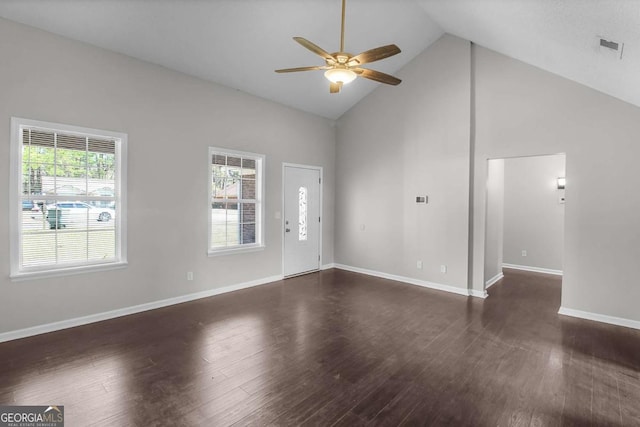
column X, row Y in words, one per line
column 338, row 348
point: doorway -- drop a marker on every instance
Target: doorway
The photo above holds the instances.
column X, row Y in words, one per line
column 302, row 221
column 525, row 205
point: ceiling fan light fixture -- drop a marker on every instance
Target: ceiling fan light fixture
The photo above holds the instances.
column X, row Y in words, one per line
column 337, row 75
column 342, row 67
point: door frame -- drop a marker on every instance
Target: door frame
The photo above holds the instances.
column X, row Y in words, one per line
column 486, row 207
column 282, row 219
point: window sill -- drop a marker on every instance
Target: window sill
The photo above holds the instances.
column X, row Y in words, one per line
column 69, row 271
column 235, row 250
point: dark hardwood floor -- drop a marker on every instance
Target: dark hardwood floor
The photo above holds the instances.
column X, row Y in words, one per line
column 338, row 348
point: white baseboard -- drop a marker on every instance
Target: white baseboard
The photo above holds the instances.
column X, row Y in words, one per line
column 328, row 266
column 478, row 294
column 618, row 321
column 412, row 281
column 533, row 269
column 79, row 321
column 493, row 280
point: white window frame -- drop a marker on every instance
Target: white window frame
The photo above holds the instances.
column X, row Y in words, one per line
column 15, row 205
column 260, row 216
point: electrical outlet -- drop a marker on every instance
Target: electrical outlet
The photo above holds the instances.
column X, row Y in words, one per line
column 524, row 252
column 189, row 275
column 443, row 268
column 419, row 265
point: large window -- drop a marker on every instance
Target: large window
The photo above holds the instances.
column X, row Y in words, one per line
column 67, row 199
column 235, row 201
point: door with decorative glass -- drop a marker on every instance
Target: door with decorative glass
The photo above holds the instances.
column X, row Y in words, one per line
column 301, row 219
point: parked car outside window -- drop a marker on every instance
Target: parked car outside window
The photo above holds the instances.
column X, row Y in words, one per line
column 77, row 213
column 30, row 205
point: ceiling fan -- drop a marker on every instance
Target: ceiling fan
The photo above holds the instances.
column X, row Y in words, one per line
column 342, row 67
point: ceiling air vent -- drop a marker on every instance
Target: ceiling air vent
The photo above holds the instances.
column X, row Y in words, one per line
column 609, row 48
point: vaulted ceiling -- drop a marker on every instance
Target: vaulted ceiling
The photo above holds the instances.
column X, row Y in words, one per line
column 239, row 43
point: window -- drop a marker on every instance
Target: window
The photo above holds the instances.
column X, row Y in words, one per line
column 302, row 213
column 235, row 205
column 67, row 199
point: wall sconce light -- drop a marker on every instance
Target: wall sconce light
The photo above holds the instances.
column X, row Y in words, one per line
column 561, row 182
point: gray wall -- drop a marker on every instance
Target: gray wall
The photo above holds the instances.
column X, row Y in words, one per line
column 533, row 216
column 171, row 119
column 415, row 139
column 524, row 111
column 493, row 246
column 400, row 142
column 397, row 143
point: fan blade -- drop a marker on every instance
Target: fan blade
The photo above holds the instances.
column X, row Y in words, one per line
column 335, row 87
column 293, row 70
column 376, row 54
column 377, row 76
column 316, row 49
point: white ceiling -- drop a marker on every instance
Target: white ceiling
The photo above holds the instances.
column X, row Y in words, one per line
column 560, row 36
column 238, row 43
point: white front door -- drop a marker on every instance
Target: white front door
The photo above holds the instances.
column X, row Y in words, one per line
column 301, row 219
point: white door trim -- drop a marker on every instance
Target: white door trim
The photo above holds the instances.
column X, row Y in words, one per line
column 321, row 170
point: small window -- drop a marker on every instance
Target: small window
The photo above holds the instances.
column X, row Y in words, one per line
column 235, row 204
column 67, row 194
column 302, row 213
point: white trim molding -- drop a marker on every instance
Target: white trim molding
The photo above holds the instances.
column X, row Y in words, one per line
column 533, row 269
column 425, row 284
column 98, row 317
column 612, row 320
column 478, row 294
column 328, row 266
column 493, row 280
